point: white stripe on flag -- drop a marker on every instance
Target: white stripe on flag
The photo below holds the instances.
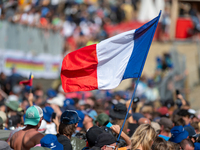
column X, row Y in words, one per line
column 113, row 55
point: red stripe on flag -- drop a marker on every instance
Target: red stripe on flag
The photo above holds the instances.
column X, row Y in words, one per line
column 27, row 82
column 79, row 70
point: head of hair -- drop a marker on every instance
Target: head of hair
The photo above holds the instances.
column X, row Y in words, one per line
column 186, row 142
column 75, row 100
column 87, row 106
column 159, row 144
column 195, row 125
column 178, row 121
column 171, row 146
column 120, row 123
column 67, row 130
column 143, row 136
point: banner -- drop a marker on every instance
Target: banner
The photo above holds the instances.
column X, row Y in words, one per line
column 42, row 66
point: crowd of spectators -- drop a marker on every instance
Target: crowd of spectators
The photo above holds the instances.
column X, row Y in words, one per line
column 93, row 119
column 78, row 21
column 39, row 119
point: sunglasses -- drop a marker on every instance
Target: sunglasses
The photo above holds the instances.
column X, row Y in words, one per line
column 113, row 147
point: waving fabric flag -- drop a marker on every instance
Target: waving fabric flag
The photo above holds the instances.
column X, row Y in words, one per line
column 106, row 64
column 28, row 82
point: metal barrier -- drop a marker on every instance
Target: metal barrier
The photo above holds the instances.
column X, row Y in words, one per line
column 29, row 39
column 179, row 66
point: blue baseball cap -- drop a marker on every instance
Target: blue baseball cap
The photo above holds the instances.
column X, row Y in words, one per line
column 47, row 113
column 69, row 117
column 91, row 113
column 178, row 134
column 51, row 93
column 50, row 141
column 68, row 101
column 137, row 116
column 81, row 116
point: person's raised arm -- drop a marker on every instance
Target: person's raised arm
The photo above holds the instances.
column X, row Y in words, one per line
column 116, row 129
column 30, row 99
column 130, row 119
column 56, row 123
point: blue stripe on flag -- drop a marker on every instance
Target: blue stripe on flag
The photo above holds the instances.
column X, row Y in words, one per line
column 142, row 41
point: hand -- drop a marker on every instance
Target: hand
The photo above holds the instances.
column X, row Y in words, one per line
column 56, row 121
column 182, row 99
column 128, row 103
column 115, row 128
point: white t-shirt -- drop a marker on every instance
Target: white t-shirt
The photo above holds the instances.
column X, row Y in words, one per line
column 47, row 128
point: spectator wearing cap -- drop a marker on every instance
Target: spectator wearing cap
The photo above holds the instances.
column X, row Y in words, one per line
column 12, row 107
column 105, row 141
column 102, row 120
column 163, row 111
column 90, row 118
column 178, row 134
column 166, row 125
column 50, row 141
column 91, row 136
column 68, row 104
column 50, row 127
column 156, row 126
column 118, row 113
column 29, row 136
column 68, row 124
column 191, row 133
column 78, row 133
column 81, row 118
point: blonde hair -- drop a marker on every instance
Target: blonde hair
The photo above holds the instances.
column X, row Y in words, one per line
column 143, row 136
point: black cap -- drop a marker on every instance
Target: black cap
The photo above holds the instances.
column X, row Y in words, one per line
column 119, row 111
column 104, row 139
column 92, row 134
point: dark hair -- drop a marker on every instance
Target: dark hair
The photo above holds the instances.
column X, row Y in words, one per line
column 186, row 142
column 159, row 144
column 75, row 100
column 13, row 121
column 67, row 130
column 195, row 125
column 178, row 121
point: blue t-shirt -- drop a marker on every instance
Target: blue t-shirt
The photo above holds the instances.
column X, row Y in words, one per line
column 164, row 137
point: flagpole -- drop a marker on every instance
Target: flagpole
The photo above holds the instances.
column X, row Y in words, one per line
column 138, row 79
column 31, row 89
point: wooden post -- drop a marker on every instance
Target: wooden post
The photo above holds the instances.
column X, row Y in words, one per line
column 174, row 16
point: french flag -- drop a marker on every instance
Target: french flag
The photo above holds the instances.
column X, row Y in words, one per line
column 104, row 65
